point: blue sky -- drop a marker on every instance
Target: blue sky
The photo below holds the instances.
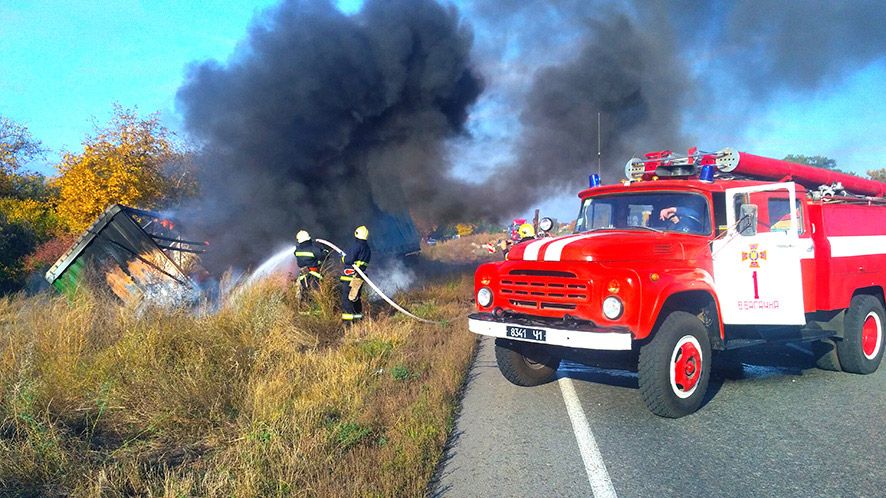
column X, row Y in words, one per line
column 65, row 63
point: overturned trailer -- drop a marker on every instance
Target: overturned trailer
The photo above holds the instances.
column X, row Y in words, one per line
column 137, row 254
column 393, row 234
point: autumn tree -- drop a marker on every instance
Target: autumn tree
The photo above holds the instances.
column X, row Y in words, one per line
column 126, row 162
column 17, row 147
column 25, row 198
column 16, row 242
column 817, row 161
column 878, row 174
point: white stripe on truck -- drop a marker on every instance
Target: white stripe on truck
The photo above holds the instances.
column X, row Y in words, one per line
column 857, row 245
column 554, row 251
column 531, row 251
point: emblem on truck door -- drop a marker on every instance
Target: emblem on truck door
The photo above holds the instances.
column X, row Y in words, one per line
column 754, row 254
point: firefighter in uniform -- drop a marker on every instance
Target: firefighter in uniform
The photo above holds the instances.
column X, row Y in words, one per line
column 309, row 258
column 351, row 283
column 526, row 233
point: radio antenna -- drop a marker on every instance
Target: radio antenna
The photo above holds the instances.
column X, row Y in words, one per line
column 599, row 160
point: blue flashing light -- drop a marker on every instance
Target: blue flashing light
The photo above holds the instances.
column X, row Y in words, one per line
column 707, row 173
column 594, row 180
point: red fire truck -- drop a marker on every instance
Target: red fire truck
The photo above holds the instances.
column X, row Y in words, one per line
column 693, row 254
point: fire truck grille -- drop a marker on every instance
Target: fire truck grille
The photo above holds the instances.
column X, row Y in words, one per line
column 545, row 290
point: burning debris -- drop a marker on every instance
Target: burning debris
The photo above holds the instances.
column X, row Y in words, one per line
column 137, row 254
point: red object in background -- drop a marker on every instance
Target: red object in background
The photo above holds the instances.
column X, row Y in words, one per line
column 515, row 228
column 48, row 252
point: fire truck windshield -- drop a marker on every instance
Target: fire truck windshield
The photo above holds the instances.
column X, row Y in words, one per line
column 664, row 211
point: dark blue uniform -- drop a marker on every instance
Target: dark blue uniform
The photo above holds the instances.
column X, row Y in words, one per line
column 351, row 282
column 309, row 258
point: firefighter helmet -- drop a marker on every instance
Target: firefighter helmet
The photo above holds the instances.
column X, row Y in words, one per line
column 526, row 230
column 361, row 232
column 302, row 236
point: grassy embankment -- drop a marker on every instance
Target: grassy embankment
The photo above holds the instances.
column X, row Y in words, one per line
column 253, row 400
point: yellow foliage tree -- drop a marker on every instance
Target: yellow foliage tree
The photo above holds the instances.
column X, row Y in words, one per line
column 123, row 163
column 36, row 213
column 464, row 229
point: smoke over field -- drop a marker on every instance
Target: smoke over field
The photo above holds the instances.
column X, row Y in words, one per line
column 321, row 118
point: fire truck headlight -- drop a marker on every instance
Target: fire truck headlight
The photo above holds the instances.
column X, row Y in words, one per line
column 484, row 297
column 612, row 307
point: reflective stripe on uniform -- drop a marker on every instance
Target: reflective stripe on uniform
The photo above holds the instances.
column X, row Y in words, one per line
column 316, row 274
column 348, row 316
column 346, row 278
column 304, row 254
column 360, row 263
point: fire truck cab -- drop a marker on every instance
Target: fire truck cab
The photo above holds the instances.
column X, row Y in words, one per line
column 694, row 254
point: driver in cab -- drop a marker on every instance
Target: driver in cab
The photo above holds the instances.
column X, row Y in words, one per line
column 684, row 219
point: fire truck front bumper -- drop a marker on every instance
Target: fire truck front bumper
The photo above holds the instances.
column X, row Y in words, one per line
column 570, row 335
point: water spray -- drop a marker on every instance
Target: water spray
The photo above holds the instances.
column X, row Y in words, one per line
column 376, row 289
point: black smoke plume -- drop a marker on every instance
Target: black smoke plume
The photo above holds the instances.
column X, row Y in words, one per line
column 323, row 119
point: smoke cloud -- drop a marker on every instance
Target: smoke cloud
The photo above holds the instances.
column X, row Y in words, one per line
column 662, row 75
column 322, row 119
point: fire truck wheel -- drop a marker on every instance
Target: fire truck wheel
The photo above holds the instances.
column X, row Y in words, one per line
column 675, row 366
column 525, row 364
column 861, row 349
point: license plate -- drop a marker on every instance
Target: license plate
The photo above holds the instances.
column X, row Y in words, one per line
column 526, row 333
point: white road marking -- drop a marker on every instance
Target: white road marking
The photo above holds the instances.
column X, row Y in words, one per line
column 598, row 477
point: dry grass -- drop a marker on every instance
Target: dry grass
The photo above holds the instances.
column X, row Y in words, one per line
column 265, row 397
column 464, row 249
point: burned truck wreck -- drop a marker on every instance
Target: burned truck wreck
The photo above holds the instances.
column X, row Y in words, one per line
column 137, row 254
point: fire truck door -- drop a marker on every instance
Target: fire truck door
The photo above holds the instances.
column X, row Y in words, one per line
column 757, row 273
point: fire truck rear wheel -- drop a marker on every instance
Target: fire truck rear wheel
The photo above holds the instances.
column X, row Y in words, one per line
column 861, row 349
column 675, row 366
column 525, row 364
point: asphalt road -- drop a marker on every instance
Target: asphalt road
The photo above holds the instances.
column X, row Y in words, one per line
column 772, row 425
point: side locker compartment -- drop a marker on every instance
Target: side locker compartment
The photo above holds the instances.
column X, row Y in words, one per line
column 823, row 272
column 808, row 253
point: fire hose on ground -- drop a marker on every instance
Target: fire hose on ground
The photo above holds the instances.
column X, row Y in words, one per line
column 376, row 289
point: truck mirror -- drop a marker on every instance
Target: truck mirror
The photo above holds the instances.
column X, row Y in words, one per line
column 747, row 222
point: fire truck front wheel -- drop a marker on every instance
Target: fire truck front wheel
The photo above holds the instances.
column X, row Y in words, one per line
column 861, row 349
column 525, row 364
column 674, row 367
